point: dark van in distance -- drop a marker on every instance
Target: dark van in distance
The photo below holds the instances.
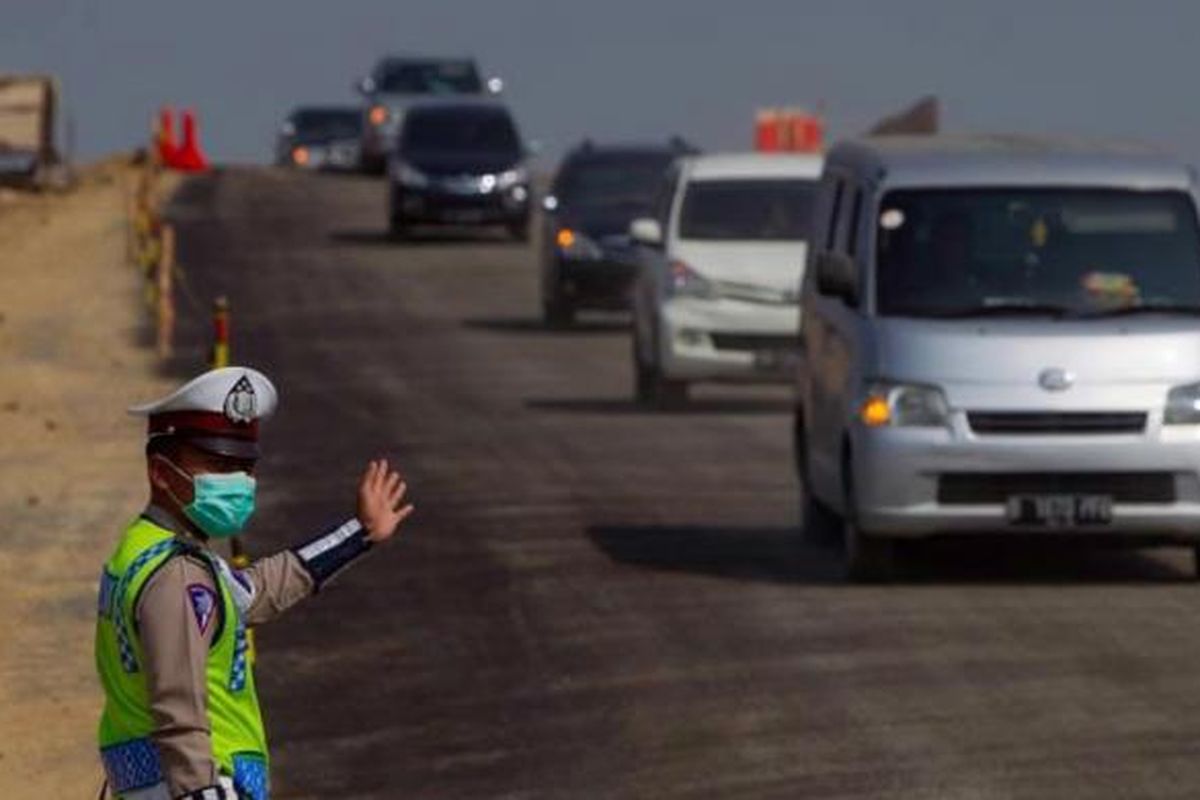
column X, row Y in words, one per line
column 459, row 163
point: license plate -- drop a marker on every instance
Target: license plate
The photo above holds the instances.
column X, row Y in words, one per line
column 1060, row 510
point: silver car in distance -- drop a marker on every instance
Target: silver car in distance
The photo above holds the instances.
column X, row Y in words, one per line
column 1000, row 334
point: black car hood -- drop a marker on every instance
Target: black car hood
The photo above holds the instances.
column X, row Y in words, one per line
column 601, row 222
column 441, row 163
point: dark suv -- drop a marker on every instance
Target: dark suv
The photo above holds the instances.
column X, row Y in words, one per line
column 459, row 163
column 397, row 81
column 586, row 252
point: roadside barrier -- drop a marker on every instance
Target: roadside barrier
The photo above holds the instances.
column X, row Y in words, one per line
column 788, row 130
column 150, row 245
column 150, row 240
column 218, row 354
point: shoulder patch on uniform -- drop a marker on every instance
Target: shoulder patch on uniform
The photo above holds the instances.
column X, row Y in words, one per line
column 204, row 605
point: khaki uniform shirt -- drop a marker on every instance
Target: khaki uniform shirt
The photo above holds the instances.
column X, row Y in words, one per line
column 175, row 647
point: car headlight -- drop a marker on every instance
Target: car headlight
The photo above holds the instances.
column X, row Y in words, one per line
column 683, row 281
column 1183, row 405
column 511, row 178
column 574, row 244
column 379, row 115
column 408, row 175
column 904, row 405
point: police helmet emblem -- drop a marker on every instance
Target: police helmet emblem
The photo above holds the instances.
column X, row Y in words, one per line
column 241, row 404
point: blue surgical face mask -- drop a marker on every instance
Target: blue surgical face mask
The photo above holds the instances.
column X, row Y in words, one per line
column 222, row 502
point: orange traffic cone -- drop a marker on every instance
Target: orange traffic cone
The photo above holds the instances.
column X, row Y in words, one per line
column 191, row 157
column 168, row 151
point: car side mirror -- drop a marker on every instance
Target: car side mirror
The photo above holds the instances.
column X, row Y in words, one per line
column 837, row 276
column 646, row 231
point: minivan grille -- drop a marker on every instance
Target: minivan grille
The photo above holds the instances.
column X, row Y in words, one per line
column 1006, row 422
column 968, row 488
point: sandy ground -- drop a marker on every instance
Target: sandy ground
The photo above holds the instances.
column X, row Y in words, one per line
column 70, row 472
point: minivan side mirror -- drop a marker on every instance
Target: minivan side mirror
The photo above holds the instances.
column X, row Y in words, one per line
column 646, row 231
column 837, row 276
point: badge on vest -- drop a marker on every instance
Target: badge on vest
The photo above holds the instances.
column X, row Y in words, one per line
column 204, row 605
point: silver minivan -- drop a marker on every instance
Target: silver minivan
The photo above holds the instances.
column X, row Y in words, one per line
column 1000, row 334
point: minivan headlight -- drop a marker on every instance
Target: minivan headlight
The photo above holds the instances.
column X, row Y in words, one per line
column 408, row 175
column 904, row 405
column 1183, row 405
column 576, row 244
column 511, row 178
column 683, row 281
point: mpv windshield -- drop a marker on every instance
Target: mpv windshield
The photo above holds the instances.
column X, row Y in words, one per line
column 459, row 130
column 1068, row 252
column 431, row 77
column 768, row 209
column 614, row 181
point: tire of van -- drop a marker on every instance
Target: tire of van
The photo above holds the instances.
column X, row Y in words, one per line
column 819, row 524
column 868, row 558
column 557, row 311
column 397, row 228
column 650, row 386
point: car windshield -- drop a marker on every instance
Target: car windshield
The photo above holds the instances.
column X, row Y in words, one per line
column 1070, row 252
column 764, row 209
column 615, row 181
column 326, row 125
column 456, row 130
column 430, row 77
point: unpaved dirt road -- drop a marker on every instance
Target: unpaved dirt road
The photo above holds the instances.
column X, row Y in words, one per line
column 598, row 601
column 70, row 468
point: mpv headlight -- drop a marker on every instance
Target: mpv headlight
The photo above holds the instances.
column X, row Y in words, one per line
column 512, row 177
column 575, row 244
column 1183, row 405
column 408, row 175
column 684, row 281
column 904, row 405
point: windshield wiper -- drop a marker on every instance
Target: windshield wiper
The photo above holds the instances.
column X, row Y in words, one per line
column 1153, row 308
column 1001, row 310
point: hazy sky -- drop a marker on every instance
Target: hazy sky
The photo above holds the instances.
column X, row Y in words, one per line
column 626, row 68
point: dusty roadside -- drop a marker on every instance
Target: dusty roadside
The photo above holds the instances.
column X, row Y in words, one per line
column 70, row 475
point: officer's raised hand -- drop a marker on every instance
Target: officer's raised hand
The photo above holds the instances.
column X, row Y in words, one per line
column 381, row 494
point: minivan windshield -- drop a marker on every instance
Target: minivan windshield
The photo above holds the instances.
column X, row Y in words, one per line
column 460, row 130
column 614, row 181
column 1062, row 252
column 430, row 77
column 747, row 209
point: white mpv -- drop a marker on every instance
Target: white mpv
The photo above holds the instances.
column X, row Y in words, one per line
column 720, row 263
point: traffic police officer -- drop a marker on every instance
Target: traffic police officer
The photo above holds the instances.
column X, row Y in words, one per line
column 181, row 716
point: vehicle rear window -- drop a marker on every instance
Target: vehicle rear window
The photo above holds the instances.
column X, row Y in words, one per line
column 767, row 209
column 946, row 252
column 459, row 130
column 627, row 180
column 433, row 77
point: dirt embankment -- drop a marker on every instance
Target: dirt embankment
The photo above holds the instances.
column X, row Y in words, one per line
column 71, row 317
